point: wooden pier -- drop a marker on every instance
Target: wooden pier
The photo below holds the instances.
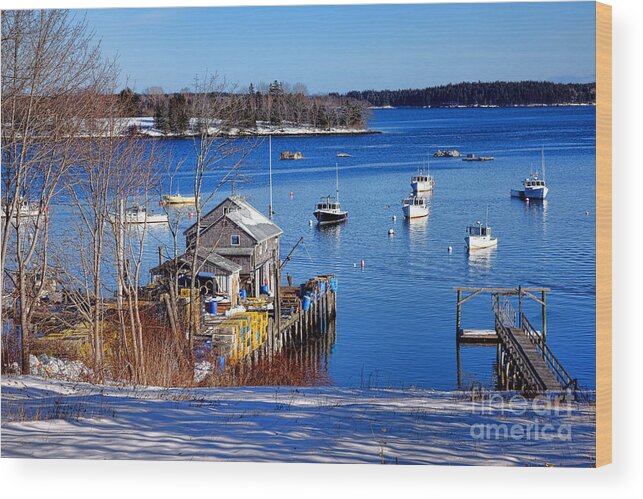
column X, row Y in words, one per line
column 524, row 361
column 295, row 317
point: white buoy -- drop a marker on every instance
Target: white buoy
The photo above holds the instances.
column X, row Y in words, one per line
column 391, row 232
column 450, row 249
column 310, row 223
column 394, row 218
column 526, row 200
column 354, row 264
column 587, row 213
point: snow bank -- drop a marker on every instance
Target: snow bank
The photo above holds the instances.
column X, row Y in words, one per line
column 57, row 419
column 52, row 367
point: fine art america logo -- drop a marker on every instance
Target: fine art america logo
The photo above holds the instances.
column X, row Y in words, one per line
column 520, row 418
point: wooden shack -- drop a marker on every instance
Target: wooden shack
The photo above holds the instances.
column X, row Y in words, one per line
column 237, row 231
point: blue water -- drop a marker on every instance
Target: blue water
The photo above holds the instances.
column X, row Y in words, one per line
column 396, row 316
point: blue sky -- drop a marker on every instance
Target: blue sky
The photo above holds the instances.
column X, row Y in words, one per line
column 340, row 48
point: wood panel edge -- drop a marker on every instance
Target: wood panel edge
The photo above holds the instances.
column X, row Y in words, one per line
column 603, row 234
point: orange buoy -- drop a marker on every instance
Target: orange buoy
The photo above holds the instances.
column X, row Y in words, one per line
column 290, row 194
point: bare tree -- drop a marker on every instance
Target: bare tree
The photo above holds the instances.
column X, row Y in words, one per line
column 51, row 76
column 215, row 155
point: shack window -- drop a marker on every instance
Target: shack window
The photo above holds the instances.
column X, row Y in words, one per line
column 235, row 239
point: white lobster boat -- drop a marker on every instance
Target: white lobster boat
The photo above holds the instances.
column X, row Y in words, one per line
column 479, row 237
column 422, row 181
column 533, row 187
column 140, row 215
column 415, row 207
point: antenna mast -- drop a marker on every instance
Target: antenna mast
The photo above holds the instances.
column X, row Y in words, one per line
column 542, row 159
column 337, row 181
column 270, row 162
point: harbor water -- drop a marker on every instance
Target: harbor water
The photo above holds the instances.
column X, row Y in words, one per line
column 396, row 313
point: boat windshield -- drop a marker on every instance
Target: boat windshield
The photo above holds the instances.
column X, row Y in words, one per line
column 479, row 230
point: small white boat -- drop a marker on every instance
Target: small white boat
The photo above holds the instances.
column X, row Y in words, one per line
column 479, row 237
column 25, row 210
column 422, row 181
column 140, row 215
column 415, row 207
column 343, row 155
column 533, row 187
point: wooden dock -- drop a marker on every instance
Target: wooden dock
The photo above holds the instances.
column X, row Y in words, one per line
column 297, row 315
column 524, row 361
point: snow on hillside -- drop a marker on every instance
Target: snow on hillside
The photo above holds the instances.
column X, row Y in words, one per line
column 145, row 126
column 59, row 419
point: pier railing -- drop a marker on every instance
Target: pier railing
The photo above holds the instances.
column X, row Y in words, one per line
column 557, row 369
column 504, row 311
column 516, row 353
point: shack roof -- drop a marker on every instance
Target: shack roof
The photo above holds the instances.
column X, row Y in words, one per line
column 204, row 256
column 246, row 217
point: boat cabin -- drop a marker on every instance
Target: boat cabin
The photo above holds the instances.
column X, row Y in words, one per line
column 479, row 230
column 420, row 178
column 328, row 204
column 415, row 201
column 534, row 183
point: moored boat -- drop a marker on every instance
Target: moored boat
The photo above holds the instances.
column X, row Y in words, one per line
column 140, row 215
column 534, row 186
column 415, row 207
column 328, row 210
column 473, row 157
column 25, row 210
column 479, row 236
column 422, row 181
column 178, row 199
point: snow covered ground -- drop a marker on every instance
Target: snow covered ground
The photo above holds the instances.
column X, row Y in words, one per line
column 60, row 419
column 145, row 126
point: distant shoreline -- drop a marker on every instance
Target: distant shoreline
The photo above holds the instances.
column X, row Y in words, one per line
column 490, row 106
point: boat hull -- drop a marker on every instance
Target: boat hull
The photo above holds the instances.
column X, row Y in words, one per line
column 476, row 243
column 421, row 187
column 330, row 217
column 530, row 193
column 413, row 211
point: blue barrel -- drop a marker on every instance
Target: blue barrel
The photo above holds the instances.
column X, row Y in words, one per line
column 306, row 303
column 333, row 284
column 322, row 287
column 265, row 289
column 243, row 294
column 221, row 363
column 212, row 307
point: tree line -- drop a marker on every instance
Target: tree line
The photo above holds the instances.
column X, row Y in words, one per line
column 497, row 93
column 277, row 104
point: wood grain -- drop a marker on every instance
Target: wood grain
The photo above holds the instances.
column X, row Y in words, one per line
column 603, row 234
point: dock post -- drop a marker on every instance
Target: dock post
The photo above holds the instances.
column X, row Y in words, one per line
column 520, row 306
column 543, row 296
column 457, row 361
column 457, row 316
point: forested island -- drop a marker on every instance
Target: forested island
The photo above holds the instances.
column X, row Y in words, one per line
column 278, row 108
column 472, row 94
